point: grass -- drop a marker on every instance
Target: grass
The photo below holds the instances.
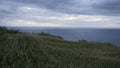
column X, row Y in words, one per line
column 41, row 51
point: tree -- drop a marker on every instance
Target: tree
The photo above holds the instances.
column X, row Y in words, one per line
column 3, row 30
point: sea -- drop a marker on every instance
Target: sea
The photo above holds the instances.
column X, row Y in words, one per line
column 104, row 35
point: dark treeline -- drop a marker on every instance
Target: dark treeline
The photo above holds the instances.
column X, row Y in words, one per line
column 4, row 30
column 47, row 34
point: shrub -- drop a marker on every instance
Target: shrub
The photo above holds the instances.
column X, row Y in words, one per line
column 46, row 34
column 3, row 30
column 83, row 41
column 13, row 31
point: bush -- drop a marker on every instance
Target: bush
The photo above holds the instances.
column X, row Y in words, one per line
column 46, row 34
column 83, row 41
column 3, row 30
column 13, row 31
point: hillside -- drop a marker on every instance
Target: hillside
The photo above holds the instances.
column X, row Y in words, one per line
column 22, row 50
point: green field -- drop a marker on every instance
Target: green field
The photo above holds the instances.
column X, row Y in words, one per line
column 21, row 50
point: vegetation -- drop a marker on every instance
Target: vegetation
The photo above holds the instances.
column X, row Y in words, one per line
column 43, row 51
column 46, row 34
column 83, row 41
column 4, row 30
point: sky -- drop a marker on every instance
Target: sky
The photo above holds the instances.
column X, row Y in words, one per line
column 60, row 13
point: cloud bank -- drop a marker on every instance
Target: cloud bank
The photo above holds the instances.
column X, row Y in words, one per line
column 60, row 13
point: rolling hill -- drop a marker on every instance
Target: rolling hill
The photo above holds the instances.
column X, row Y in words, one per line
column 22, row 50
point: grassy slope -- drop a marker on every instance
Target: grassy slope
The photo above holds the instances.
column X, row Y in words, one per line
column 34, row 51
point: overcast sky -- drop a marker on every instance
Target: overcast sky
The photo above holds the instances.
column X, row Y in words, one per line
column 60, row 13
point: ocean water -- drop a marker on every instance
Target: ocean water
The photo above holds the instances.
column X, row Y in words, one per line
column 93, row 35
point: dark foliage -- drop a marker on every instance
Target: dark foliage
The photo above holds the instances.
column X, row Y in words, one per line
column 3, row 30
column 13, row 31
column 82, row 41
column 46, row 34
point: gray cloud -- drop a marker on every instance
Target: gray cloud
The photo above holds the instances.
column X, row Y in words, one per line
column 102, row 7
column 108, row 7
column 7, row 8
column 65, row 12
